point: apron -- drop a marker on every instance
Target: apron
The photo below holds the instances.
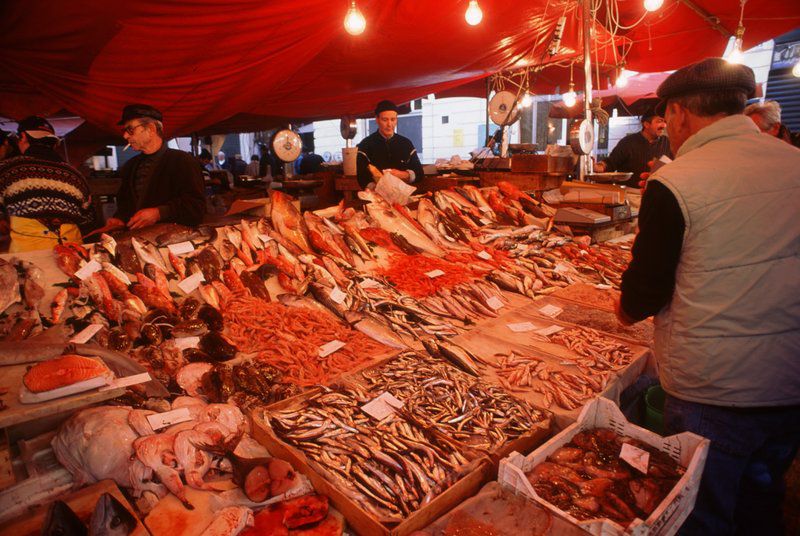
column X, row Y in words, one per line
column 28, row 234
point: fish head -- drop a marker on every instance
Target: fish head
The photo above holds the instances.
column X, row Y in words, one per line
column 111, row 518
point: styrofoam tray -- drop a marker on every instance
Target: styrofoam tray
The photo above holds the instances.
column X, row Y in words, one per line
column 688, row 449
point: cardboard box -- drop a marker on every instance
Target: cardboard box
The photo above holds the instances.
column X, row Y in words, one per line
column 689, row 450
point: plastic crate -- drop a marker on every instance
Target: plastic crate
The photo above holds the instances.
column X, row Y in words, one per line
column 688, row 449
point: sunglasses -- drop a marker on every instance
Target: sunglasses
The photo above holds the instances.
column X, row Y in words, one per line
column 130, row 129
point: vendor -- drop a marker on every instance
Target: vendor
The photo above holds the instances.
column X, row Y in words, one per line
column 634, row 151
column 160, row 184
column 715, row 261
column 385, row 150
column 45, row 198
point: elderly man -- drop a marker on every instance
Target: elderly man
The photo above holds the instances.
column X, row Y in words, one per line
column 716, row 261
column 633, row 152
column 767, row 117
column 45, row 198
column 160, row 184
column 385, row 150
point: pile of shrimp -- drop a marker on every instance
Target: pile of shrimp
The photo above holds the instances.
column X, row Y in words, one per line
column 408, row 274
column 289, row 338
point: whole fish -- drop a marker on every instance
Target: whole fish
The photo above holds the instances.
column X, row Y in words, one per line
column 33, row 279
column 60, row 520
column 108, row 243
column 111, row 518
column 322, row 294
column 371, row 327
column 322, row 238
column 147, row 252
column 9, row 285
column 203, row 233
column 287, row 220
column 428, row 217
column 126, row 257
column 389, row 220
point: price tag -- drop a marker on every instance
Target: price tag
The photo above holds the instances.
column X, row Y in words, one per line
column 265, row 238
column 88, row 269
column 86, row 334
column 182, row 343
column 127, row 381
column 583, row 252
column 484, row 255
column 330, row 347
column 551, row 310
column 603, row 286
column 637, row 458
column 521, row 327
column 181, row 248
column 561, row 268
column 168, row 418
column 192, row 282
column 486, row 221
column 434, row 273
column 369, row 283
column 381, row 406
column 494, row 302
column 549, row 330
column 337, row 295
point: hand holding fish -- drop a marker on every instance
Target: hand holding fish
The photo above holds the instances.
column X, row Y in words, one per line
column 143, row 218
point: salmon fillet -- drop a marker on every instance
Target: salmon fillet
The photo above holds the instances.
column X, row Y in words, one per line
column 62, row 371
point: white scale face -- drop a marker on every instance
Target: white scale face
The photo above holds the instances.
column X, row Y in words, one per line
column 287, row 145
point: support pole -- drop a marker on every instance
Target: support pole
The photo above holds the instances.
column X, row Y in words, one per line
column 488, row 86
column 586, row 160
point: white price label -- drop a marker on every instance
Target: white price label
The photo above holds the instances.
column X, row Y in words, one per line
column 182, row 343
column 484, row 255
column 382, row 406
column 337, row 295
column 551, row 310
column 369, row 283
column 330, row 347
column 192, row 282
column 561, row 268
column 486, row 221
column 168, row 418
column 637, row 458
column 181, row 248
column 265, row 238
column 603, row 286
column 549, row 330
column 127, row 381
column 521, row 327
column 86, row 334
column 434, row 273
column 88, row 269
column 494, row 302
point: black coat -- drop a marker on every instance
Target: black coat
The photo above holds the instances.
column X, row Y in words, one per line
column 175, row 187
column 395, row 153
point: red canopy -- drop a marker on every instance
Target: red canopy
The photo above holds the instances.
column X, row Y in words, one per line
column 255, row 63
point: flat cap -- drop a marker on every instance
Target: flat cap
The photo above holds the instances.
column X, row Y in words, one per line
column 708, row 75
column 36, row 127
column 386, row 106
column 136, row 111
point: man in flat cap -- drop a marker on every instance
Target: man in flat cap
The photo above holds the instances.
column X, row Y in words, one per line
column 385, row 150
column 45, row 198
column 160, row 184
column 716, row 261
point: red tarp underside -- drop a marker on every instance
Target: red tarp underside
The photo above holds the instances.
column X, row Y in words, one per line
column 239, row 64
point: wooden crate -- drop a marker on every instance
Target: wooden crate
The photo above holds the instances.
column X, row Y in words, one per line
column 524, row 181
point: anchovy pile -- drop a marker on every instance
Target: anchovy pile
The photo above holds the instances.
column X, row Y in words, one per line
column 437, row 395
column 597, row 352
column 393, row 467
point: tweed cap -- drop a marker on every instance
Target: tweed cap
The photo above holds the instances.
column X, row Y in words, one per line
column 709, row 75
column 138, row 111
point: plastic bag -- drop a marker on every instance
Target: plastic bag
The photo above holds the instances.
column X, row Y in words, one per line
column 393, row 189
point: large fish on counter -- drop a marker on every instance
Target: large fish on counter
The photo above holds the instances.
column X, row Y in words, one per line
column 288, row 221
column 389, row 220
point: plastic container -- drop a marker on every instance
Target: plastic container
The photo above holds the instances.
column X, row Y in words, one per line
column 654, row 409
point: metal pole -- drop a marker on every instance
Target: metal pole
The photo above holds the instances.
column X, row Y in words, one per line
column 586, row 160
column 488, row 85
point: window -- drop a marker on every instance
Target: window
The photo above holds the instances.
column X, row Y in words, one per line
column 416, row 105
column 445, row 119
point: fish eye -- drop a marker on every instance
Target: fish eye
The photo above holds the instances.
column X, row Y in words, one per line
column 115, row 522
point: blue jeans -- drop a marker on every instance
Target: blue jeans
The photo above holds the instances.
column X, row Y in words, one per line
column 741, row 490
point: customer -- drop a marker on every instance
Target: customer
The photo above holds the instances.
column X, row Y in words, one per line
column 716, row 261
column 254, row 167
column 160, row 184
column 45, row 198
column 767, row 117
column 8, row 146
column 633, row 152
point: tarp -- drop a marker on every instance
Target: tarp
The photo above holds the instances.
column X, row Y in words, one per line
column 243, row 63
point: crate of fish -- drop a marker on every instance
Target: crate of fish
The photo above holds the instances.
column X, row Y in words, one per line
column 611, row 477
column 383, row 472
column 438, row 397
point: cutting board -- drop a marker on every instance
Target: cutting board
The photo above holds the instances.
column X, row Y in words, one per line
column 82, row 503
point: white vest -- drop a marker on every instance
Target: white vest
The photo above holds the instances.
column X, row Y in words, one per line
column 731, row 334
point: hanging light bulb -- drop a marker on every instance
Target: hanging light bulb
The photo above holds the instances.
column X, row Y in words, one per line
column 796, row 69
column 473, row 15
column 623, row 77
column 354, row 21
column 526, row 100
column 653, row 5
column 570, row 97
column 736, row 55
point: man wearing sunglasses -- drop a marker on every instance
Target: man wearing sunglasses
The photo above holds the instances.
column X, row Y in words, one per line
column 160, row 184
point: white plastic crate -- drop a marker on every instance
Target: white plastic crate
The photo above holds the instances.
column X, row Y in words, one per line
column 688, row 449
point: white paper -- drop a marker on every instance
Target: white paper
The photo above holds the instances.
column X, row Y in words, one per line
column 265, row 238
column 603, row 286
column 369, row 283
column 337, row 295
column 494, row 302
column 127, row 381
column 549, row 330
column 434, row 273
column 394, row 190
column 88, row 269
column 192, row 282
column 330, row 347
column 484, row 255
column 181, row 248
column 551, row 310
column 637, row 458
column 168, row 418
column 182, row 343
column 521, row 327
column 382, row 406
column 86, row 334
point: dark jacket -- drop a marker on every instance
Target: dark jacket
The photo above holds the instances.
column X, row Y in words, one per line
column 396, row 153
column 175, row 187
column 633, row 152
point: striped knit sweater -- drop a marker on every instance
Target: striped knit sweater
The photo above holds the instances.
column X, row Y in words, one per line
column 43, row 189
